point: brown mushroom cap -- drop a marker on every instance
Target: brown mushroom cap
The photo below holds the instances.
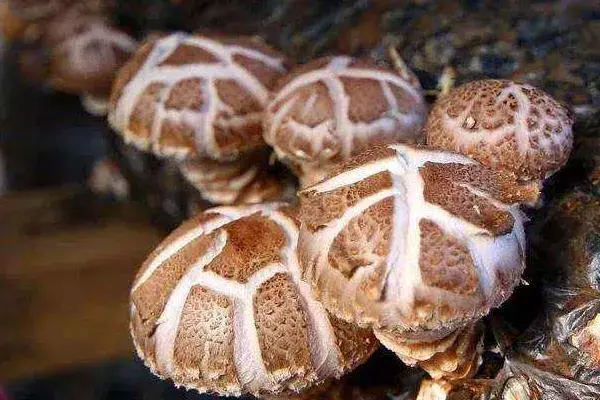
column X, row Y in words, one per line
column 504, row 125
column 335, row 107
column 242, row 181
column 85, row 52
column 220, row 307
column 195, row 96
column 411, row 240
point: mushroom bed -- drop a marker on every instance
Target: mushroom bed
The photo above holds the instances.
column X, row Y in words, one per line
column 357, row 212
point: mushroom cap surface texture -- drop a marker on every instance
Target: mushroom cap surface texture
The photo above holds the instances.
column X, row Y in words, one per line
column 335, row 107
column 504, row 125
column 242, row 181
column 220, row 307
column 185, row 95
column 85, row 51
column 412, row 241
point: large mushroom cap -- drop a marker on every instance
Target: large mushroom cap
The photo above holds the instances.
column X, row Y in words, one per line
column 504, row 125
column 335, row 107
column 220, row 307
column 190, row 95
column 413, row 241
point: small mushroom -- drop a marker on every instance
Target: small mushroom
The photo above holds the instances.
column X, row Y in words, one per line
column 85, row 54
column 414, row 242
column 187, row 96
column 335, row 107
column 106, row 179
column 504, row 125
column 220, row 307
column 242, row 181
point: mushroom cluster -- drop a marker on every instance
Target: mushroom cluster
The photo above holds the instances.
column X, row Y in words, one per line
column 200, row 100
column 335, row 107
column 417, row 244
column 72, row 46
column 220, row 306
column 393, row 239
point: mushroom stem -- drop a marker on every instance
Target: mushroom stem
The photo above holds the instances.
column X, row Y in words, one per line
column 447, row 79
column 399, row 64
column 445, row 83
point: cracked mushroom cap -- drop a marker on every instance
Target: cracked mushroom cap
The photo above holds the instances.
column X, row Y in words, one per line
column 242, row 181
column 85, row 52
column 413, row 241
column 187, row 95
column 335, row 107
column 504, row 125
column 220, row 307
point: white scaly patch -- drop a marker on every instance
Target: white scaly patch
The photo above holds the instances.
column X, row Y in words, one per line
column 204, row 120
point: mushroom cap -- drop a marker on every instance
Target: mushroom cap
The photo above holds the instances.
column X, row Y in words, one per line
column 242, row 181
column 220, row 307
column 199, row 96
column 335, row 107
column 412, row 240
column 85, row 52
column 504, row 125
